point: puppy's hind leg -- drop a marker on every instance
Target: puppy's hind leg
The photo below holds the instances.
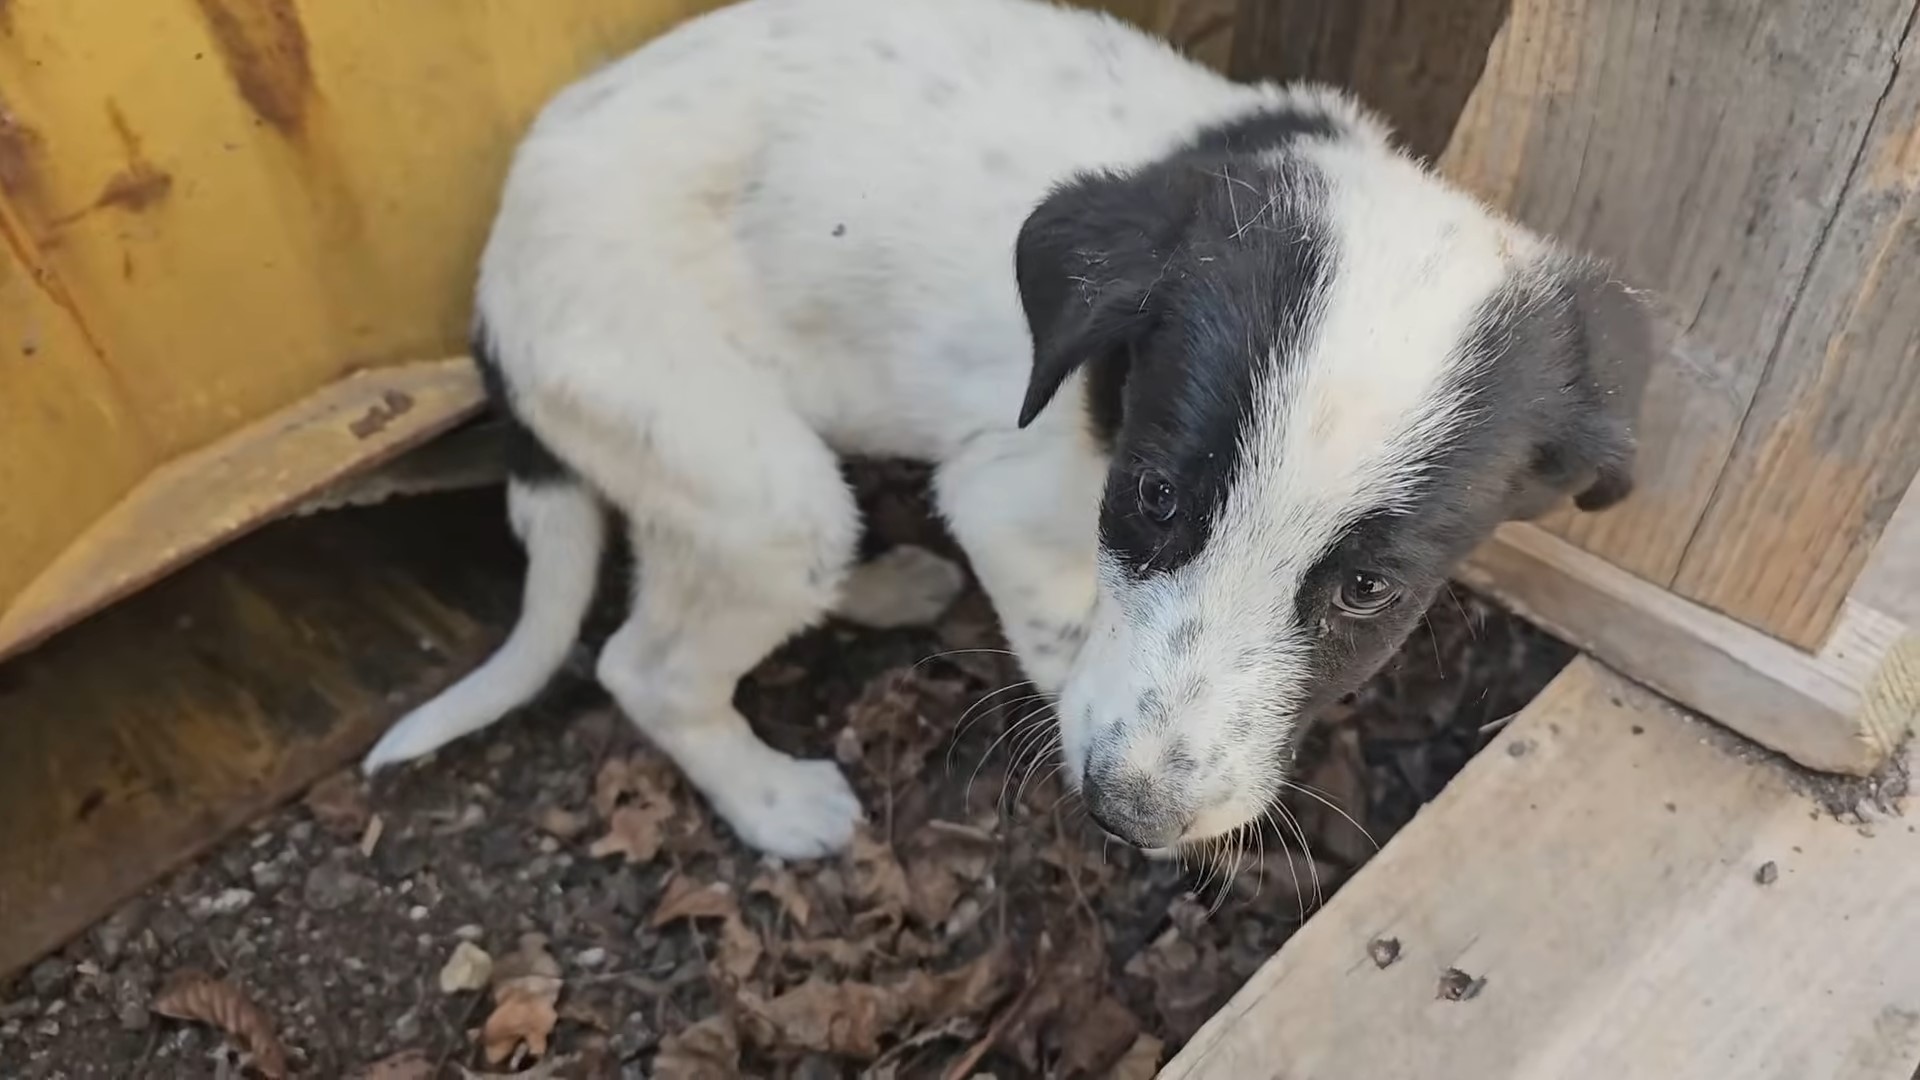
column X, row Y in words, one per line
column 740, row 544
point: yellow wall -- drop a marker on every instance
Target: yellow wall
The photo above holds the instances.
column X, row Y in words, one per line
column 213, row 208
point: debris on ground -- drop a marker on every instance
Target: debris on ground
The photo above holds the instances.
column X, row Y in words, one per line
column 980, row 926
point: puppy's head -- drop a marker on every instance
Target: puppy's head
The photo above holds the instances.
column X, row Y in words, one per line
column 1324, row 377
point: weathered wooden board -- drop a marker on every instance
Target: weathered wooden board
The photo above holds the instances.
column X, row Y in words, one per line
column 1600, row 866
column 142, row 735
column 1708, row 148
column 1414, row 60
column 209, row 496
column 1833, row 436
column 1807, row 707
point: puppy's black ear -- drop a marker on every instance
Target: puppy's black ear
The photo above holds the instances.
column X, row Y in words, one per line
column 1596, row 339
column 1084, row 262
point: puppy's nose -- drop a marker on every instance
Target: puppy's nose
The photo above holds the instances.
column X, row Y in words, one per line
column 1128, row 807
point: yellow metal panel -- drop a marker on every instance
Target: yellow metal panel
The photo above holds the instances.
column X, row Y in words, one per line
column 214, row 208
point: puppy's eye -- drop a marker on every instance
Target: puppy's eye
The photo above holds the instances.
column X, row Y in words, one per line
column 1158, row 500
column 1365, row 594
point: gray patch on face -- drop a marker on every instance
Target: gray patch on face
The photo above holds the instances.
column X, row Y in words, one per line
column 1119, row 113
column 938, row 92
column 996, row 162
column 884, row 51
column 1150, row 704
column 1185, row 637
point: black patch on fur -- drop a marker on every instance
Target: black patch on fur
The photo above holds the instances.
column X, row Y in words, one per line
column 528, row 459
column 1557, row 362
column 1176, row 288
column 1265, row 129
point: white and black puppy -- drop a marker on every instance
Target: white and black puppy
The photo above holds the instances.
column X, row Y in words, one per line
column 1217, row 383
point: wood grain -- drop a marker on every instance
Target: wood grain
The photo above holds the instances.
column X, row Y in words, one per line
column 1599, row 866
column 1807, row 707
column 141, row 736
column 1705, row 147
column 1833, row 436
column 1414, row 61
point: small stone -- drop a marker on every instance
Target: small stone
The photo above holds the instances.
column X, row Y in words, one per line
column 591, row 958
column 333, row 885
column 113, row 934
column 469, row 932
column 499, row 753
column 134, row 1017
column 50, row 977
column 407, row 1029
column 417, row 912
column 49, row 1029
column 300, row 832
column 1457, row 985
column 1768, row 873
column 228, row 902
column 267, row 876
column 1384, row 951
column 469, row 968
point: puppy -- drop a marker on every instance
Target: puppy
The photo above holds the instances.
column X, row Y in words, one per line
column 1218, row 385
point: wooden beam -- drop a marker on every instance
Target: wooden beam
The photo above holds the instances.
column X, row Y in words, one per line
column 1801, row 705
column 144, row 734
column 1833, row 435
column 1704, row 147
column 1623, row 895
column 1414, row 61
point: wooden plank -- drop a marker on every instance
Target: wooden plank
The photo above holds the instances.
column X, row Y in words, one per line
column 1793, row 702
column 1704, row 147
column 1833, row 437
column 1413, row 60
column 1599, row 866
column 212, row 495
column 141, row 736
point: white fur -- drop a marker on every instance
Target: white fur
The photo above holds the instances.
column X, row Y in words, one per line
column 782, row 234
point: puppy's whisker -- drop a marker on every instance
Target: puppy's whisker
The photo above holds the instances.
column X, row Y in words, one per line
column 974, row 714
column 1327, row 802
column 987, row 754
column 1299, row 895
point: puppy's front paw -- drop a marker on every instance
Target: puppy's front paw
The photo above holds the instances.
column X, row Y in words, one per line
column 904, row 586
column 788, row 807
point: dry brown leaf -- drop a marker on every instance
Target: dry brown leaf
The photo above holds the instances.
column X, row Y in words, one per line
column 405, row 1065
column 1096, row 1040
column 891, row 729
column 968, row 990
column 785, row 889
column 635, row 831
column 839, row 952
column 846, row 1018
column 200, row 997
column 944, row 859
column 686, row 900
column 1140, row 1062
column 561, row 823
column 875, row 882
column 709, row 1050
column 1335, row 814
column 740, row 948
column 339, row 803
column 526, row 987
column 1071, row 975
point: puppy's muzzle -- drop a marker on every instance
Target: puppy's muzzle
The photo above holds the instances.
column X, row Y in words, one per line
column 1147, row 810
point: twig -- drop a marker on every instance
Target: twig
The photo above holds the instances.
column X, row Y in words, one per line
column 963, row 1068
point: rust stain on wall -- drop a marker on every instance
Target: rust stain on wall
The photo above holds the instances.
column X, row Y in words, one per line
column 265, row 49
column 20, row 145
column 135, row 188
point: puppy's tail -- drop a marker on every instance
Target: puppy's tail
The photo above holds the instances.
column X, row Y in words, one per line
column 561, row 523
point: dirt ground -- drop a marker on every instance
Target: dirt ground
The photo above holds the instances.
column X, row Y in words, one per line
column 545, row 899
